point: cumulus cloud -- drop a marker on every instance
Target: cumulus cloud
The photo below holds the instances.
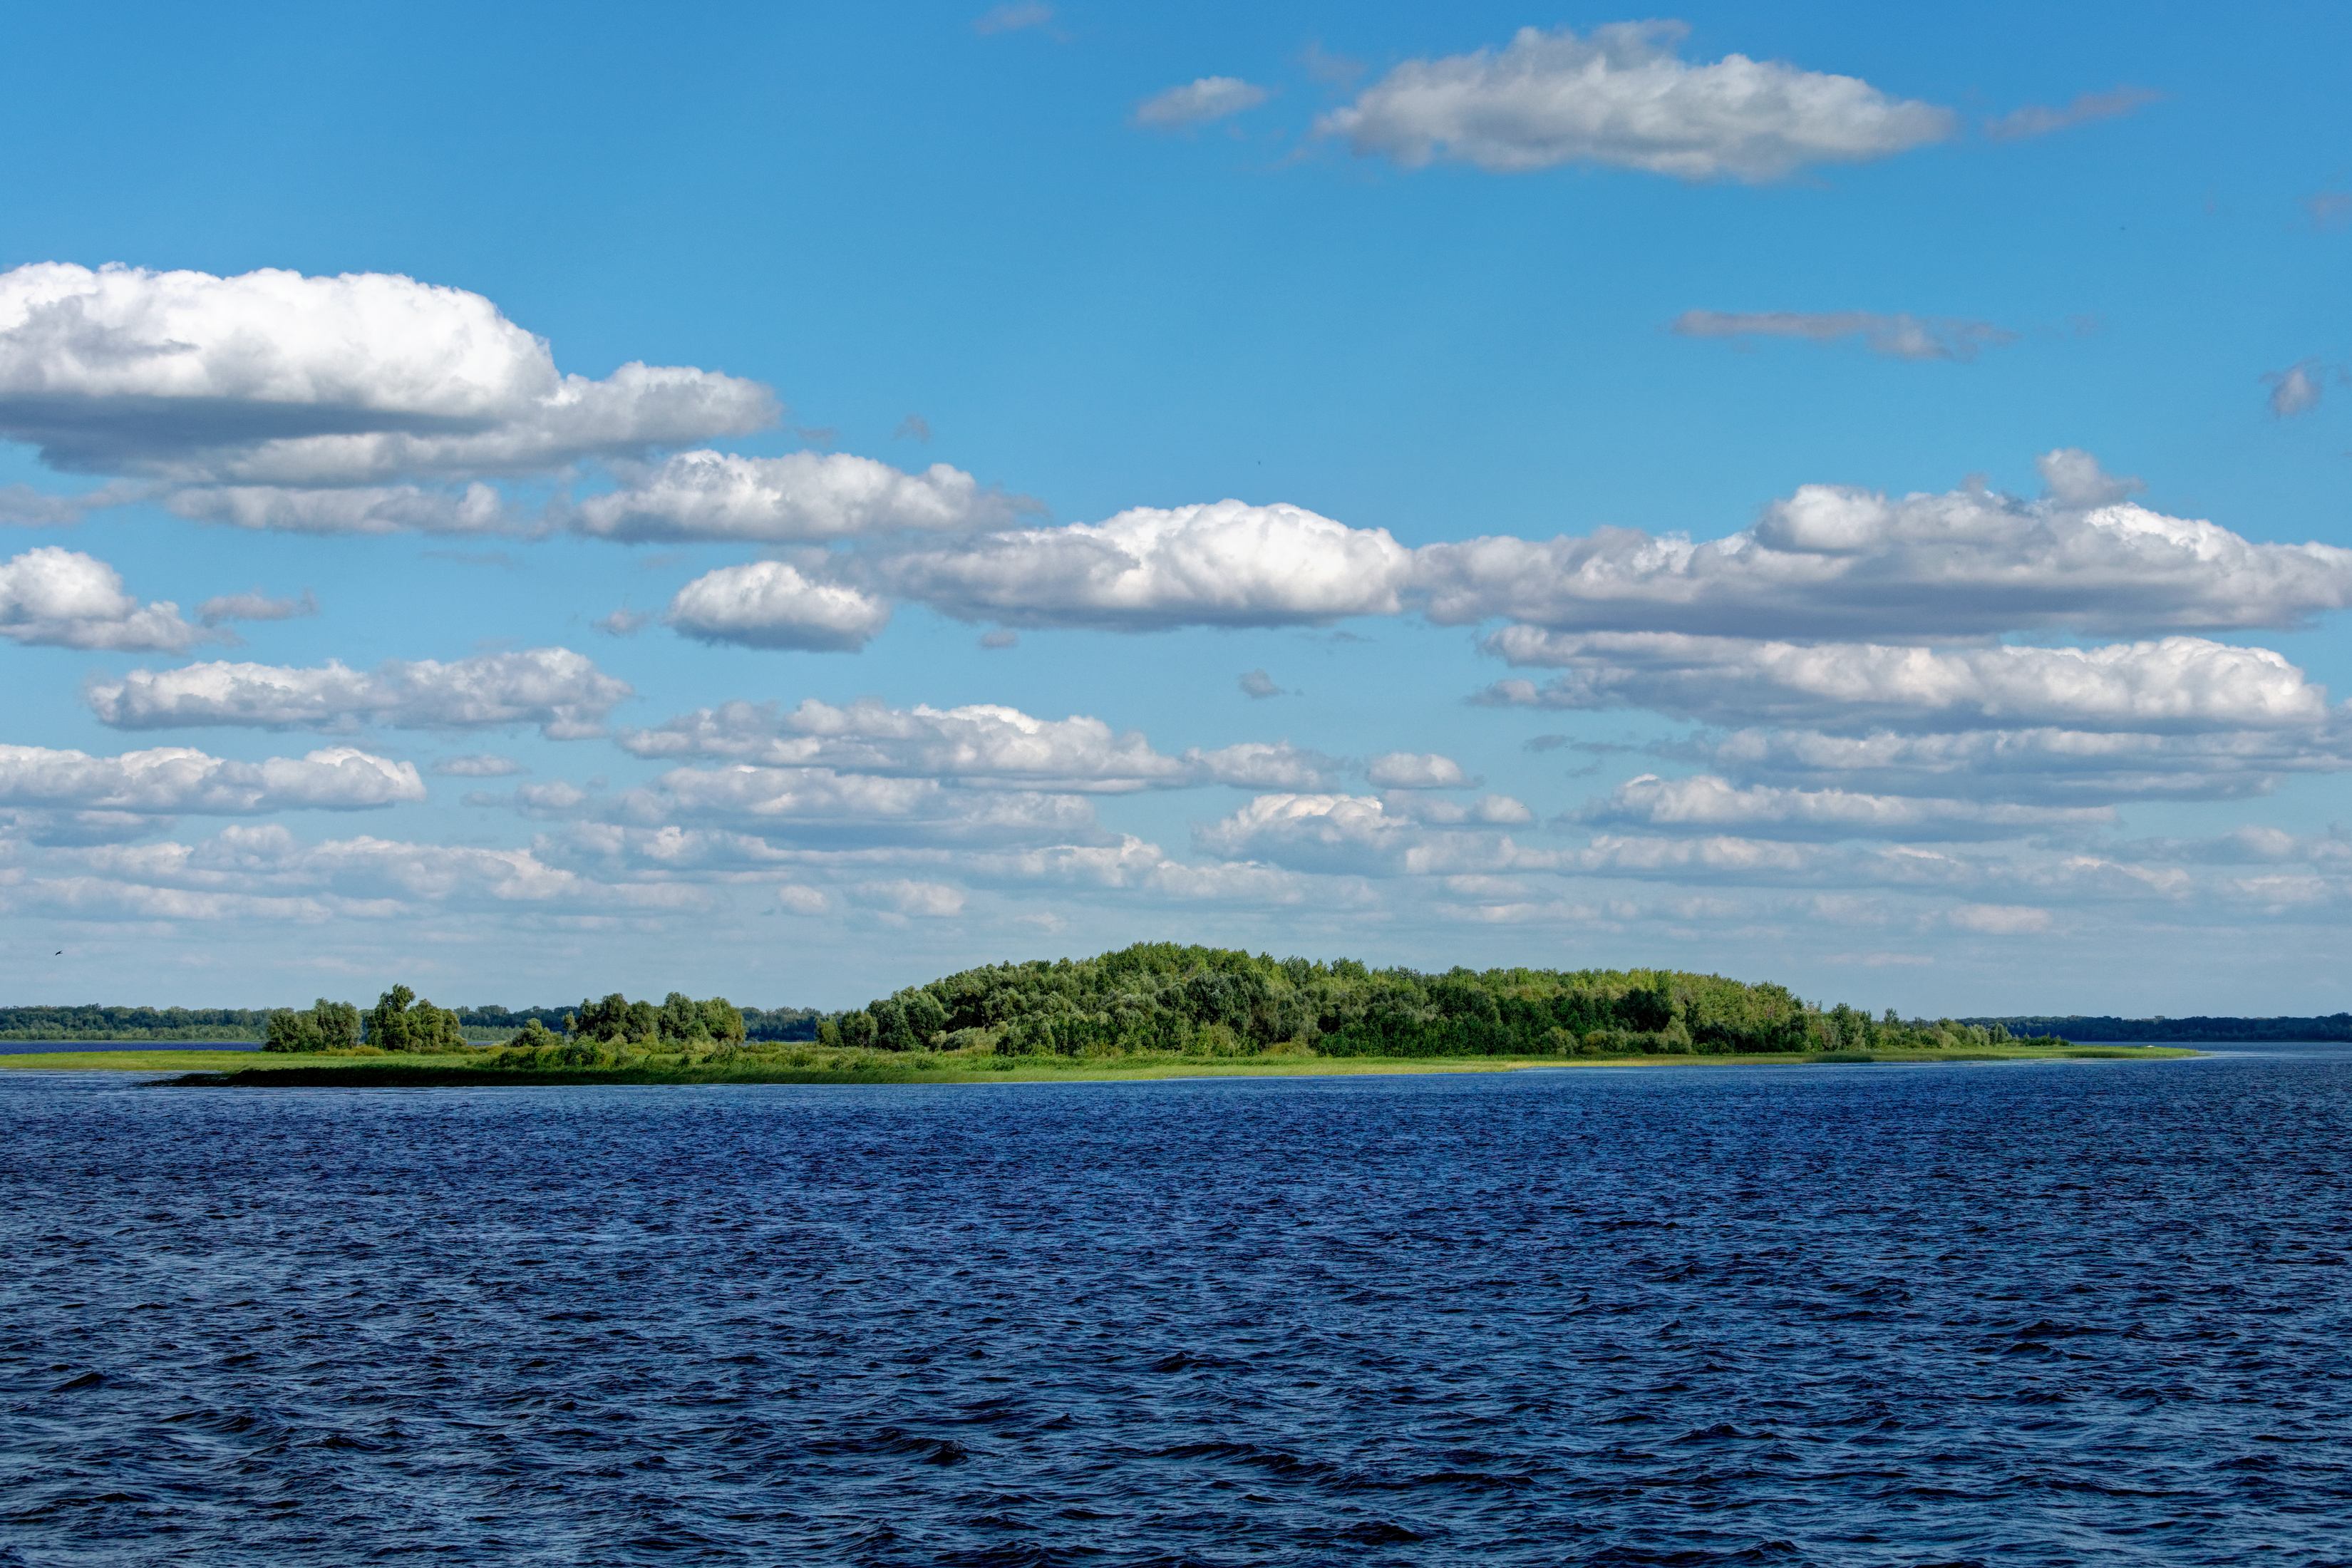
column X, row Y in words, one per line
column 255, row 605
column 2175, row 684
column 802, row 496
column 274, row 378
column 1898, row 336
column 770, row 603
column 1621, row 98
column 1709, row 804
column 1417, row 770
column 1210, row 98
column 561, row 691
column 980, row 745
column 2296, row 390
column 1836, row 561
column 1225, row 563
column 2041, row 119
column 54, row 597
column 173, row 780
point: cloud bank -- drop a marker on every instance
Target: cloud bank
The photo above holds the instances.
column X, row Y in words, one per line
column 277, row 379
column 173, row 780
column 561, row 691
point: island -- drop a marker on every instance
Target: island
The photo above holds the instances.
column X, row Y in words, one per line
column 1154, row 1009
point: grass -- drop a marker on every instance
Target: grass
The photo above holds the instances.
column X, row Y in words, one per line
column 809, row 1065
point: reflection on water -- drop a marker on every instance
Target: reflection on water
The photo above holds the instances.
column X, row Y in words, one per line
column 2090, row 1312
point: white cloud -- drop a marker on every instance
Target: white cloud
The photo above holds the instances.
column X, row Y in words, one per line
column 255, row 605
column 1835, row 561
column 54, row 598
column 273, row 378
column 2037, row 764
column 371, row 875
column 905, row 897
column 769, row 604
column 799, row 497
column 172, row 780
column 368, row 509
column 1226, row 564
column 561, row 691
column 2075, row 480
column 820, row 805
column 2041, row 120
column 1898, row 337
column 981, row 745
column 1212, row 98
column 2176, row 684
column 1366, row 834
column 1621, row 98
column 1417, row 770
column 800, row 900
column 1999, row 919
column 1262, row 765
column 1132, row 865
column 2296, row 390
column 1258, row 685
column 1709, row 804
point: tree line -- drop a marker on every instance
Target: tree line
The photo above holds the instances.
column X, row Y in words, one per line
column 2181, row 1031
column 1160, row 996
column 403, row 1021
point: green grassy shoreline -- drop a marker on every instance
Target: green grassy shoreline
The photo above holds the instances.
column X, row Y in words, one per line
column 238, row 1069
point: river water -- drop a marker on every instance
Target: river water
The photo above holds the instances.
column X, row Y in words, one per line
column 2088, row 1313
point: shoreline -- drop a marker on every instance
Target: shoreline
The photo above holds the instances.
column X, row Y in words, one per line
column 240, row 1070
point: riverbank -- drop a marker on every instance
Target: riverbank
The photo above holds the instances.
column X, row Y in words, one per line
column 238, row 1069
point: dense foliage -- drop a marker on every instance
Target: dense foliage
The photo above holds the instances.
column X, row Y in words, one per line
column 2183, row 1031
column 93, row 1022
column 604, row 1033
column 325, row 1027
column 403, row 1021
column 1157, row 996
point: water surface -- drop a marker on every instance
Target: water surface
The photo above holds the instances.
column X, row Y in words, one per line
column 2036, row 1312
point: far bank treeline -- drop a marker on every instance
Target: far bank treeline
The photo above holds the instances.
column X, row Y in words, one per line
column 1162, row 998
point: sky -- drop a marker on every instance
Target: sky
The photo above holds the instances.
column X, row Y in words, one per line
column 785, row 501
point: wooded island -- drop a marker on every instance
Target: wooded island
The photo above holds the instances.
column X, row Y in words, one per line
column 1163, row 1000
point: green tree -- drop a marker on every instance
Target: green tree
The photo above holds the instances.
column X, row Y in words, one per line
column 288, row 1030
column 338, row 1024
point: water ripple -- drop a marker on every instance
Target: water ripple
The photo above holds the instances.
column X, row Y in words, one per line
column 2053, row 1312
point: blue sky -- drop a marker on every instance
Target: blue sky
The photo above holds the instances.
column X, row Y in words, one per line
column 981, row 313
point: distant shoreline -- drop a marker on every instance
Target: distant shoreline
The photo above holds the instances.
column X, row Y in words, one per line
column 239, row 1070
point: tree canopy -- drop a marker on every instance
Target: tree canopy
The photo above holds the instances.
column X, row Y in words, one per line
column 1160, row 996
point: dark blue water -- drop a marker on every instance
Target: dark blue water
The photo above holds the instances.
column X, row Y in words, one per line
column 2078, row 1313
